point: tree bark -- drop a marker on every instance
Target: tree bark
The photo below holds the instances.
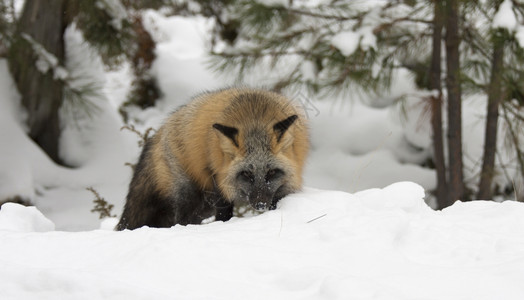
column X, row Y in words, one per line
column 490, row 137
column 435, row 73
column 146, row 91
column 42, row 95
column 454, row 135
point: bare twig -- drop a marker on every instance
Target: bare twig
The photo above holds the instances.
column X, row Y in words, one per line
column 314, row 219
column 143, row 136
column 101, row 205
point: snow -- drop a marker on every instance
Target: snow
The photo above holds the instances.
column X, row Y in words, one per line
column 519, row 35
column 360, row 229
column 369, row 40
column 270, row 3
column 375, row 244
column 180, row 67
column 186, row 37
column 18, row 218
column 370, row 20
column 346, row 42
column 18, row 151
column 46, row 61
column 350, row 159
column 504, row 17
column 80, row 143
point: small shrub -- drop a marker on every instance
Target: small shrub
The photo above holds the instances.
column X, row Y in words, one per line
column 101, row 205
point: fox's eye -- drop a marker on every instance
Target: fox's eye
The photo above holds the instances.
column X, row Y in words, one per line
column 246, row 176
column 273, row 174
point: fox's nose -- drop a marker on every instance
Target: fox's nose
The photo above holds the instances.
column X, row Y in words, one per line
column 260, row 206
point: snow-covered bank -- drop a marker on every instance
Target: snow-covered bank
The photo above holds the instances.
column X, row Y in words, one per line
column 376, row 244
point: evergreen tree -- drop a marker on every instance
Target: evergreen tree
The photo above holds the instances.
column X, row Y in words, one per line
column 313, row 45
column 37, row 55
column 454, row 89
column 495, row 95
column 6, row 13
column 35, row 59
column 35, row 44
column 493, row 62
column 434, row 83
column 503, row 88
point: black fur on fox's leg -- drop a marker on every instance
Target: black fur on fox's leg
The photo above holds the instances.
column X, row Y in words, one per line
column 151, row 205
column 224, row 210
column 182, row 207
column 190, row 206
column 156, row 211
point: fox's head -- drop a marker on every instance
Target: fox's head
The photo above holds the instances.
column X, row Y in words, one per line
column 261, row 162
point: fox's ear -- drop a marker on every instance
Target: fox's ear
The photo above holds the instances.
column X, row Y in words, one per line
column 229, row 132
column 281, row 127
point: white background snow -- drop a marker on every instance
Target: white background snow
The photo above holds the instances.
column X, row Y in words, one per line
column 361, row 229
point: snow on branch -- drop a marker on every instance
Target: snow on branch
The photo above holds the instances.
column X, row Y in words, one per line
column 346, row 42
column 509, row 16
column 46, row 60
column 115, row 10
column 519, row 35
column 505, row 17
column 269, row 3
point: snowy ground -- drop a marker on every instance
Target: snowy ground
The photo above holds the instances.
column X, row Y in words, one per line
column 377, row 244
column 371, row 244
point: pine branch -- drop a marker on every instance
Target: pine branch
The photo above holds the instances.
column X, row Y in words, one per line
column 325, row 16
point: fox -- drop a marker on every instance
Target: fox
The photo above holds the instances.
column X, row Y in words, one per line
column 235, row 145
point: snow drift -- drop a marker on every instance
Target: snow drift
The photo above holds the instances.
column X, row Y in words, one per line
column 376, row 244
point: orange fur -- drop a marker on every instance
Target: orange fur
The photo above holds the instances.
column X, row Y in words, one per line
column 203, row 152
column 231, row 145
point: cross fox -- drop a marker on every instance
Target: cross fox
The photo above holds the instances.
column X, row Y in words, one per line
column 223, row 147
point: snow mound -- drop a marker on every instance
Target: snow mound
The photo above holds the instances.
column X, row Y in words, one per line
column 108, row 223
column 375, row 244
column 405, row 196
column 19, row 218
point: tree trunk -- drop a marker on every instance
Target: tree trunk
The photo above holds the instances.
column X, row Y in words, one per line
column 452, row 39
column 145, row 91
column 435, row 73
column 490, row 137
column 41, row 94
